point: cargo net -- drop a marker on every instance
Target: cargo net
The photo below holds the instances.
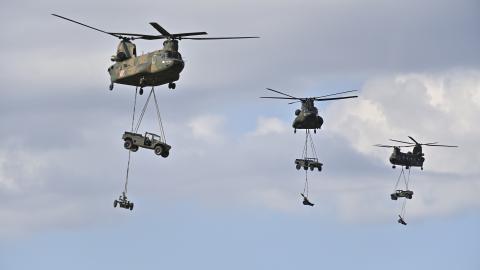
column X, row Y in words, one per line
column 400, row 193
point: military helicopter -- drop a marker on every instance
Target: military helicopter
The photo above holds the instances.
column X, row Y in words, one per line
column 307, row 117
column 151, row 69
column 409, row 159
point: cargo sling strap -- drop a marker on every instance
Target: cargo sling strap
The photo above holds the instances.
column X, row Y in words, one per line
column 125, row 189
column 159, row 118
column 406, row 180
column 309, row 142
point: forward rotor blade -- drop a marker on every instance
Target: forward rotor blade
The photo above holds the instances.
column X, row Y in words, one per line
column 278, row 92
column 141, row 36
column 281, row 97
column 160, row 29
column 218, row 38
column 325, row 99
column 413, row 139
column 294, row 102
column 400, row 141
column 336, row 93
column 383, row 145
column 88, row 26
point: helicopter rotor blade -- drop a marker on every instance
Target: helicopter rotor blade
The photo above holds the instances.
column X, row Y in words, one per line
column 218, row 38
column 166, row 34
column 141, row 36
column 441, row 145
column 400, row 141
column 391, row 146
column 160, row 29
column 413, row 140
column 429, row 143
column 182, row 35
column 386, row 146
column 335, row 98
column 295, row 101
column 278, row 92
column 282, row 97
column 336, row 93
column 88, row 26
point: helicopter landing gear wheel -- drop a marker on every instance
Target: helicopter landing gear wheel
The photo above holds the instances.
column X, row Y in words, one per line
column 315, row 131
column 295, row 130
column 393, row 167
column 172, row 85
column 421, row 168
column 141, row 91
column 111, row 86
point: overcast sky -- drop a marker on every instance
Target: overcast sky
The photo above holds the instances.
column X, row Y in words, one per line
column 227, row 197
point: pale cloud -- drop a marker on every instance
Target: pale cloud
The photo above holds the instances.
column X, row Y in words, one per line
column 208, row 128
column 269, row 126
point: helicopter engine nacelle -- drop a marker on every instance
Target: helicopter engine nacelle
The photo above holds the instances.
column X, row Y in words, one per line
column 297, row 112
column 170, row 45
column 125, row 50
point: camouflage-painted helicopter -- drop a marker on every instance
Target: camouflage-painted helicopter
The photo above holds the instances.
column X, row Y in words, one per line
column 409, row 159
column 151, row 69
column 307, row 117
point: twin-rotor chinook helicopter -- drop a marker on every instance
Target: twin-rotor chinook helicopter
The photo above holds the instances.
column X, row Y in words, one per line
column 154, row 68
column 307, row 117
column 409, row 159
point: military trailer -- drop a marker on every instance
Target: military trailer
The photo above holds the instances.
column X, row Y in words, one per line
column 123, row 202
column 306, row 163
column 401, row 193
column 149, row 141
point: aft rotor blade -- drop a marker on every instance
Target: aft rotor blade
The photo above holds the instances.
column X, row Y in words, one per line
column 325, row 99
column 391, row 146
column 441, row 145
column 218, row 38
column 400, row 141
column 278, row 92
column 88, row 26
column 336, row 93
column 281, row 97
column 181, row 35
column 429, row 143
column 413, row 140
column 160, row 29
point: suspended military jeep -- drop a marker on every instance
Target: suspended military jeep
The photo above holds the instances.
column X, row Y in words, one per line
column 306, row 163
column 401, row 193
column 149, row 141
